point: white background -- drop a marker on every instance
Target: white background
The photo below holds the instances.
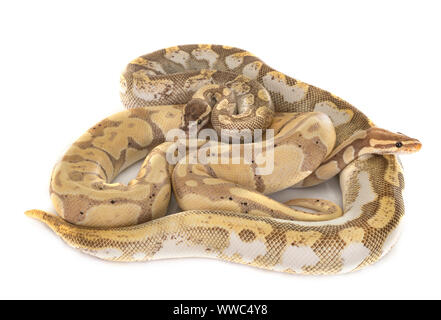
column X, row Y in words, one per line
column 60, row 66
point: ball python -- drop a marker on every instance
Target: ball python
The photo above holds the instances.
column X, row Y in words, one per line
column 224, row 219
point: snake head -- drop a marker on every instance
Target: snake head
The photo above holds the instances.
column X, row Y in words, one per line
column 196, row 113
column 387, row 142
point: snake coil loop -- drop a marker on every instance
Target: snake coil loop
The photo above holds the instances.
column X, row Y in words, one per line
column 228, row 216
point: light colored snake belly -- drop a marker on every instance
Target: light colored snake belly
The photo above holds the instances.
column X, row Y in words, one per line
column 228, row 216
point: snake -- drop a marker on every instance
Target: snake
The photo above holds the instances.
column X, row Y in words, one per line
column 227, row 212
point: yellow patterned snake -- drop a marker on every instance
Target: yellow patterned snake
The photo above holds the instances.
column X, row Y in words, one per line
column 227, row 214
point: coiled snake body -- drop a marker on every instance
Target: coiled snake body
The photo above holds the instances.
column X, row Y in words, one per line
column 227, row 214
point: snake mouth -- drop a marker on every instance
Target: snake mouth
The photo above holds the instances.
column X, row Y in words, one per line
column 418, row 146
column 407, row 149
column 412, row 147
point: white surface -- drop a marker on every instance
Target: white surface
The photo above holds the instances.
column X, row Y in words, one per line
column 60, row 67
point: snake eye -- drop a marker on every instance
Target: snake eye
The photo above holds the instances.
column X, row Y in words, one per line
column 199, row 121
column 398, row 144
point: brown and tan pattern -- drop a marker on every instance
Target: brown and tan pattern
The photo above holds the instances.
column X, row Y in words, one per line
column 299, row 147
column 228, row 216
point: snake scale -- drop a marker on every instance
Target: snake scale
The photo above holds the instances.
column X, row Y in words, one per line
column 317, row 135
